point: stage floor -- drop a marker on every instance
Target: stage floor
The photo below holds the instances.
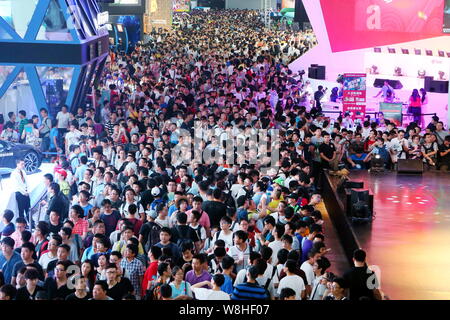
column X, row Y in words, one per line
column 410, row 237
column 36, row 181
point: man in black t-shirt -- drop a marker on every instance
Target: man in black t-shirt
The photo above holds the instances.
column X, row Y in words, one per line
column 327, row 151
column 182, row 232
column 444, row 155
column 117, row 287
column 26, row 253
column 215, row 209
column 362, row 282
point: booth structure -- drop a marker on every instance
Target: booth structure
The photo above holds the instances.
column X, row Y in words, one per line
column 51, row 51
column 118, row 37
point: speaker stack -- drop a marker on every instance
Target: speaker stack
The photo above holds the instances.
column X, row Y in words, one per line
column 413, row 166
column 436, row 86
column 316, row 72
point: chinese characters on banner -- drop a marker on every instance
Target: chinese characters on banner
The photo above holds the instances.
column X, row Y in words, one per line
column 354, row 98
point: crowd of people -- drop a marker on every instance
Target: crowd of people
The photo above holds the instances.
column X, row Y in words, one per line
column 125, row 218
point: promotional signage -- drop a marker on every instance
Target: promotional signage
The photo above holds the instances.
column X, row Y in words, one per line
column 181, row 5
column 103, row 18
column 392, row 112
column 372, row 23
column 354, row 97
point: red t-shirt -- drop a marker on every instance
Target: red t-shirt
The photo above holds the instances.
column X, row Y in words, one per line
column 149, row 275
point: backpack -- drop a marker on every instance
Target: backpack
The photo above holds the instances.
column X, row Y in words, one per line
column 267, row 284
column 183, row 238
column 154, row 293
column 153, row 235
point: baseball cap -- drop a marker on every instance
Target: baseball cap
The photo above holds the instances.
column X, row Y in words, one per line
column 293, row 196
column 151, row 213
column 62, row 172
column 279, row 181
column 155, row 191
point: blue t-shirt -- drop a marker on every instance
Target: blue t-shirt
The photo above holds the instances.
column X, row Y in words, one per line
column 184, row 290
column 8, row 266
column 227, row 285
column 53, row 133
column 86, row 209
column 8, row 229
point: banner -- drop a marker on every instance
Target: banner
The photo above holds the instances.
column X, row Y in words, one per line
column 354, row 97
column 392, row 112
column 372, row 23
column 181, row 5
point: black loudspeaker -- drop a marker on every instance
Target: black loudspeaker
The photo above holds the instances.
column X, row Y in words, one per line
column 354, row 184
column 360, row 210
column 410, row 166
column 396, row 84
column 316, row 72
column 436, row 86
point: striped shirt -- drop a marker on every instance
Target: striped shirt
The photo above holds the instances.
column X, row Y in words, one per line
column 80, row 227
column 249, row 291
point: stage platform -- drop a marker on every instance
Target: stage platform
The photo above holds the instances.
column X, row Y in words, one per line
column 410, row 236
column 36, row 181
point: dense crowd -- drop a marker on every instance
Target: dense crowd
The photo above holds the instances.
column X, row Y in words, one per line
column 127, row 217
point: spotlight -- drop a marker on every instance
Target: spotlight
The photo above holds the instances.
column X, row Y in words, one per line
column 429, row 52
column 448, row 54
column 374, row 70
column 405, row 51
column 378, row 50
column 391, row 50
column 398, row 72
column 418, row 52
column 442, row 75
column 441, row 54
column 421, row 73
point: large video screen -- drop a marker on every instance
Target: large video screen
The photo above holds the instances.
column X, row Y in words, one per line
column 132, row 23
column 447, row 16
column 357, row 24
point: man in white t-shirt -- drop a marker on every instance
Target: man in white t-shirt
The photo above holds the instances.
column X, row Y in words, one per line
column 293, row 281
column 73, row 136
column 63, row 118
column 277, row 244
column 307, row 267
column 398, row 147
column 215, row 293
column 240, row 252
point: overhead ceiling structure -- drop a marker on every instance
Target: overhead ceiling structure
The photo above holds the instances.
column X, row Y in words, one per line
column 52, row 50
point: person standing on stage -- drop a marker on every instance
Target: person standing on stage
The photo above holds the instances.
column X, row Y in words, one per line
column 415, row 106
column 22, row 189
column 385, row 89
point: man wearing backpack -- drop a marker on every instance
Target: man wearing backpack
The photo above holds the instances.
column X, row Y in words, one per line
column 149, row 233
column 241, row 250
column 182, row 233
column 165, row 236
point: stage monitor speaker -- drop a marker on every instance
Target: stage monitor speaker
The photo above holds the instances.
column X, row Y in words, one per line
column 410, row 166
column 354, row 184
column 396, row 84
